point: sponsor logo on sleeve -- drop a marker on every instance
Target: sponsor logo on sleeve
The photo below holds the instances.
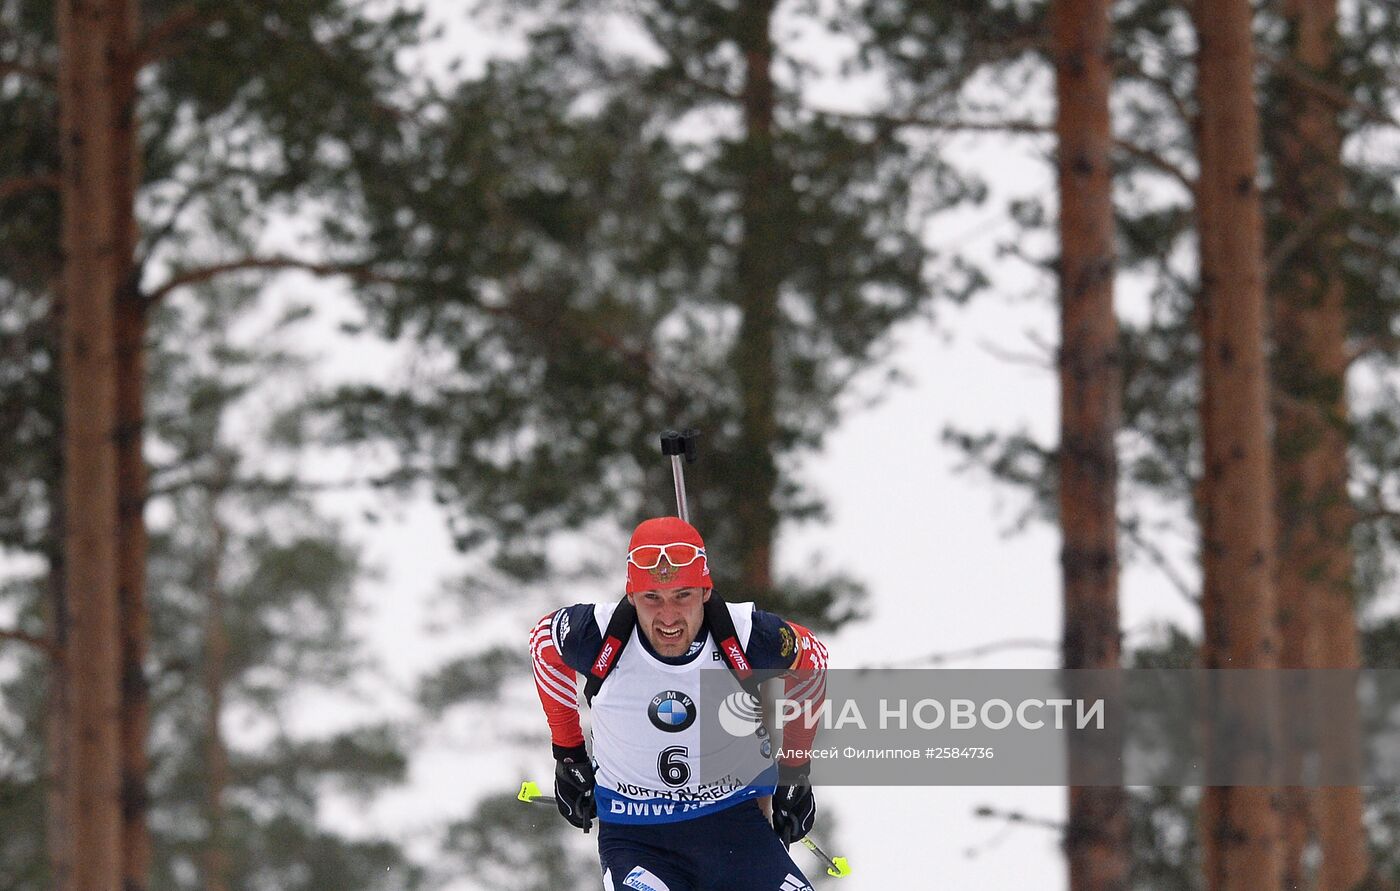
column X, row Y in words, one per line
column 787, row 641
column 643, row 880
column 561, row 628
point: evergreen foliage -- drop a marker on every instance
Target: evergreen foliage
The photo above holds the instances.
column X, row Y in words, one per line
column 1154, row 111
column 570, row 242
column 286, row 579
column 570, row 248
column 259, row 571
column 505, row 844
column 249, row 111
column 1155, row 115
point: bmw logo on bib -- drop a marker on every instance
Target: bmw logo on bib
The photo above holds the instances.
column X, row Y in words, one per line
column 671, row 711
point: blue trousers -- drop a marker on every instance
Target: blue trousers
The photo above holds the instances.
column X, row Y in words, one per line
column 731, row 850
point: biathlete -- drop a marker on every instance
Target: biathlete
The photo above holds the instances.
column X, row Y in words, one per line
column 667, row 821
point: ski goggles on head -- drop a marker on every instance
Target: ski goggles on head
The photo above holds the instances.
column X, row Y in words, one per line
column 677, row 554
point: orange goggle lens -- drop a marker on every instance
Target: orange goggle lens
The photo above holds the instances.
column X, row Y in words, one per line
column 677, row 554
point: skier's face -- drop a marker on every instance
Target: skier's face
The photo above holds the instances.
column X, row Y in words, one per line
column 670, row 619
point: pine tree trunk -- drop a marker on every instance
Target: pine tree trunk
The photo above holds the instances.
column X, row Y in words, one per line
column 759, row 251
column 58, row 846
column 131, row 466
column 1317, row 612
column 1096, row 838
column 1239, row 825
column 95, row 49
column 131, row 472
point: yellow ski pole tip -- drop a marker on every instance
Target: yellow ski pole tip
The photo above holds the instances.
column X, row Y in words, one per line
column 529, row 791
column 843, row 868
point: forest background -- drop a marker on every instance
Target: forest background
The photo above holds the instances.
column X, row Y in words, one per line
column 402, row 296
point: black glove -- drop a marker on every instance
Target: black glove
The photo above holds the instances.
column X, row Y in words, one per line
column 794, row 807
column 573, row 786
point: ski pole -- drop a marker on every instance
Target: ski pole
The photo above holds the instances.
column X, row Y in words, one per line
column 675, row 445
column 835, row 866
column 530, row 793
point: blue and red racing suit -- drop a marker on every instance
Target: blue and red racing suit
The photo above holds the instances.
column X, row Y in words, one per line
column 646, row 738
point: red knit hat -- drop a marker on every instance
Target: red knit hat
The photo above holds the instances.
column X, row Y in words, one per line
column 652, row 566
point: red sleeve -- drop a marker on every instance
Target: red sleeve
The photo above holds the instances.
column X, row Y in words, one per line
column 557, row 685
column 805, row 682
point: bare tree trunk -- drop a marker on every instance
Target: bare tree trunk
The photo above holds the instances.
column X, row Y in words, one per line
column 1239, row 825
column 95, row 54
column 1318, row 616
column 216, row 648
column 136, row 708
column 131, row 472
column 1096, row 838
column 1297, row 804
column 759, row 251
column 58, row 845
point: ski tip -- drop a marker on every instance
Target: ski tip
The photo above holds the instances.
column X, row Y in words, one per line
column 842, row 867
column 529, row 791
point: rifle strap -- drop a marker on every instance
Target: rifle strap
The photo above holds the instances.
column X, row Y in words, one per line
column 619, row 631
column 717, row 621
